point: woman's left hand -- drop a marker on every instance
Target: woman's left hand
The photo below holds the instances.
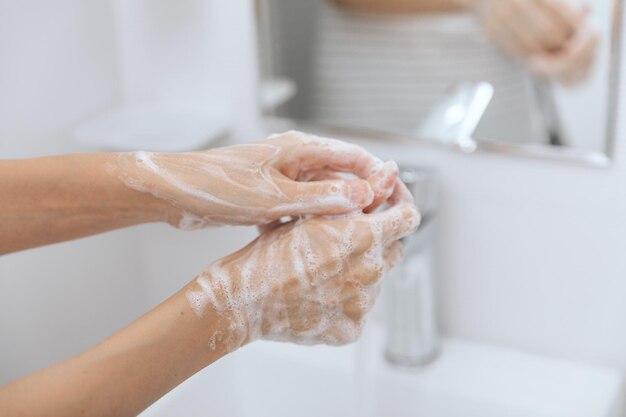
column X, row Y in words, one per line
column 261, row 182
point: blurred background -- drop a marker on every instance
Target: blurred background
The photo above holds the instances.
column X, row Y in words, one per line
column 531, row 251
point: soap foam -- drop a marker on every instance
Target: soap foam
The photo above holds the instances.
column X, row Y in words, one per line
column 250, row 183
column 291, row 284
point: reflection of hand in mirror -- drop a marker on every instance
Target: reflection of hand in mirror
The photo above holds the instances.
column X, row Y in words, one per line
column 572, row 63
column 553, row 38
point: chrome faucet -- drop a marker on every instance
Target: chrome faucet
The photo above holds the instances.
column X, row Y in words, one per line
column 411, row 320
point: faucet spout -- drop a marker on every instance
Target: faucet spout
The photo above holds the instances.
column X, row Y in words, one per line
column 411, row 322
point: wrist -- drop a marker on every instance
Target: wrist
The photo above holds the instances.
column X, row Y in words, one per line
column 228, row 321
column 152, row 209
column 140, row 199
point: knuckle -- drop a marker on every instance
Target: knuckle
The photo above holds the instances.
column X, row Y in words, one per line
column 412, row 217
column 353, row 335
column 294, row 137
column 362, row 238
column 375, row 274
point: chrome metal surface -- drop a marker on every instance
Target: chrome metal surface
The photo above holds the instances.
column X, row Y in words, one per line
column 411, row 322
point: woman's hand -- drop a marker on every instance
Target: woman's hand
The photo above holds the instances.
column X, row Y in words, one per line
column 309, row 281
column 552, row 37
column 260, row 182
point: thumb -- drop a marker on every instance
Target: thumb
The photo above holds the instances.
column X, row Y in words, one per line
column 328, row 197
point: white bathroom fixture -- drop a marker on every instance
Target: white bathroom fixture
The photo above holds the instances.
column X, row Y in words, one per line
column 186, row 77
column 468, row 380
column 276, row 91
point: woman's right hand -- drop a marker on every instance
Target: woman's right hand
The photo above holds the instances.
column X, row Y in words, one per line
column 552, row 37
column 259, row 183
column 310, row 281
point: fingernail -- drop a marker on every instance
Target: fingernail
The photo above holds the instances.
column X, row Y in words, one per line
column 392, row 165
column 389, row 168
column 360, row 193
column 392, row 173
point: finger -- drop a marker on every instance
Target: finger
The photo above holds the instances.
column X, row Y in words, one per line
column 526, row 41
column 567, row 16
column 360, row 234
column 369, row 274
column 511, row 28
column 372, row 296
column 343, row 331
column 577, row 74
column 357, row 307
column 583, row 49
column 383, row 184
column 352, row 309
column 350, row 290
column 396, row 222
column 382, row 181
column 324, row 197
column 393, row 255
column 320, row 175
column 571, row 64
column 317, row 152
column 264, row 228
column 579, row 63
column 400, row 194
column 550, row 32
column 361, row 303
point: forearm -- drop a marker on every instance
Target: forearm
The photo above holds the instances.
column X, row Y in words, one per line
column 53, row 199
column 127, row 372
column 404, row 6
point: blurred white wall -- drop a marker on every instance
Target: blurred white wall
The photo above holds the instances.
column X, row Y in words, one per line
column 62, row 62
column 58, row 66
column 533, row 251
column 189, row 53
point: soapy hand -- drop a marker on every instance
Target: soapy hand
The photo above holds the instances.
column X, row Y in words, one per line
column 309, row 281
column 261, row 182
column 552, row 37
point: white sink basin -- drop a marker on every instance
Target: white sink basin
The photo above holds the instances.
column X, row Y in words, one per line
column 272, row 379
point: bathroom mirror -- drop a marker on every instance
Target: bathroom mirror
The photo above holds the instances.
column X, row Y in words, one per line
column 462, row 73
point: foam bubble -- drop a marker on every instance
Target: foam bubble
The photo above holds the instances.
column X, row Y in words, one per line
column 289, row 284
